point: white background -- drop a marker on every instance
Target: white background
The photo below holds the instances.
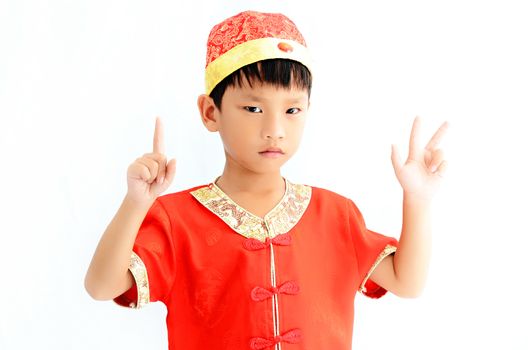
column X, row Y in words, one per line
column 82, row 81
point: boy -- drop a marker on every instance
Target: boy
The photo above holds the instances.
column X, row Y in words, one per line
column 252, row 261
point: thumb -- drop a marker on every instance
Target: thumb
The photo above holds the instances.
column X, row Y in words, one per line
column 171, row 171
column 395, row 158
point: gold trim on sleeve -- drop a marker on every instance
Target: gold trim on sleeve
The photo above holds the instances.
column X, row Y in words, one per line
column 388, row 250
column 139, row 271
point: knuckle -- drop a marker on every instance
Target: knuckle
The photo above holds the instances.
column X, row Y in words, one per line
column 160, row 156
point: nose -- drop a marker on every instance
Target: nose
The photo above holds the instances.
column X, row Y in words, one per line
column 273, row 127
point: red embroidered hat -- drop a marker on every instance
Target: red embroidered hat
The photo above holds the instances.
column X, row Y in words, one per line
column 249, row 37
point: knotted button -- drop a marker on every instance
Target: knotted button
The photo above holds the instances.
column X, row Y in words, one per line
column 293, row 336
column 254, row 244
column 260, row 293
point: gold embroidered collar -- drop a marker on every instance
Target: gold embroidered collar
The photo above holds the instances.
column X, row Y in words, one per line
column 281, row 219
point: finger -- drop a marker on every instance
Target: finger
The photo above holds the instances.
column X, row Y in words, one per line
column 442, row 168
column 428, row 155
column 435, row 140
column 140, row 170
column 161, row 159
column 395, row 158
column 159, row 141
column 437, row 158
column 152, row 166
column 414, row 141
column 171, row 170
column 161, row 171
column 158, row 157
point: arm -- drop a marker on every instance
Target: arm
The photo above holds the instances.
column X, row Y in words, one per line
column 108, row 275
column 405, row 272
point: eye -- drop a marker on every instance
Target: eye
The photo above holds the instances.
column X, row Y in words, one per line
column 253, row 109
column 293, row 110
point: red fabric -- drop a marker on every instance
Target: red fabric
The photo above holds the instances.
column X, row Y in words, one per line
column 199, row 267
column 155, row 246
column 366, row 242
column 260, row 293
column 246, row 26
column 373, row 290
column 255, row 244
column 293, row 336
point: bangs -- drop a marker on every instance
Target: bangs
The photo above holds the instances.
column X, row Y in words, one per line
column 278, row 72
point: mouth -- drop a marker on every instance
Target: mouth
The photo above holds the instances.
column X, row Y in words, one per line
column 272, row 152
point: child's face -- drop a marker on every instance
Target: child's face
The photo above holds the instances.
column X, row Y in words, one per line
column 254, row 119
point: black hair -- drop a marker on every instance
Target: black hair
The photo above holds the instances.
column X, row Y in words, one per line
column 278, row 72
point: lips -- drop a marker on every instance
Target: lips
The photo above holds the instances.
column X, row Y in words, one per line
column 272, row 150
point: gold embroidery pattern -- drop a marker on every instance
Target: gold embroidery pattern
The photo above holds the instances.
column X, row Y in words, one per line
column 388, row 250
column 139, row 271
column 290, row 210
column 282, row 217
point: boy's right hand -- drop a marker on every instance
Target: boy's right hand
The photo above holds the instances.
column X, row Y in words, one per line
column 150, row 175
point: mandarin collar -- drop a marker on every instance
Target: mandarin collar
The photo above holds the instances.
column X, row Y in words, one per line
column 281, row 219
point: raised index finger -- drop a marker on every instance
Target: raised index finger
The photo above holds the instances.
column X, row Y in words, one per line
column 159, row 141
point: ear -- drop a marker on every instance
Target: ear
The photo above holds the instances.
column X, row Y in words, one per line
column 208, row 112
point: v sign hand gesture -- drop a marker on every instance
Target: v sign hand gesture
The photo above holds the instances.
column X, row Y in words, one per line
column 150, row 175
column 422, row 172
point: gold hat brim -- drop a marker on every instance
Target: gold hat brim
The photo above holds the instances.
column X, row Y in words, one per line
column 250, row 52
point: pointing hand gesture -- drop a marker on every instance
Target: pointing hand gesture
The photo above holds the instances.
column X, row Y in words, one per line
column 422, row 172
column 150, row 175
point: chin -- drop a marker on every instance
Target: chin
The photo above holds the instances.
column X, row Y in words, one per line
column 268, row 168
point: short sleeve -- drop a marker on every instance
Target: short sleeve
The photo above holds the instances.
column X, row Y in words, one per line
column 370, row 248
column 152, row 261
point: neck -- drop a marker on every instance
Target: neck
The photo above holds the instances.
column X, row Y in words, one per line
column 235, row 179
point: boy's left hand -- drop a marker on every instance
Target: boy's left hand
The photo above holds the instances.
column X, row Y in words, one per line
column 422, row 172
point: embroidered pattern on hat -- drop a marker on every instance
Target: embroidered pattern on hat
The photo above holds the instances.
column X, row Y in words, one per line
column 246, row 26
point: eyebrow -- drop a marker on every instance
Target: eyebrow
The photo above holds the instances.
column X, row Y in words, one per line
column 260, row 99
column 252, row 97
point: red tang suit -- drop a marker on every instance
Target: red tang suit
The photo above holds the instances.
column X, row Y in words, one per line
column 232, row 280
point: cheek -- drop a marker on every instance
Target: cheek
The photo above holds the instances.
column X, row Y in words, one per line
column 242, row 130
column 236, row 139
column 296, row 130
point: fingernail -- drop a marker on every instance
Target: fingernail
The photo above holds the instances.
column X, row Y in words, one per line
column 160, row 179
